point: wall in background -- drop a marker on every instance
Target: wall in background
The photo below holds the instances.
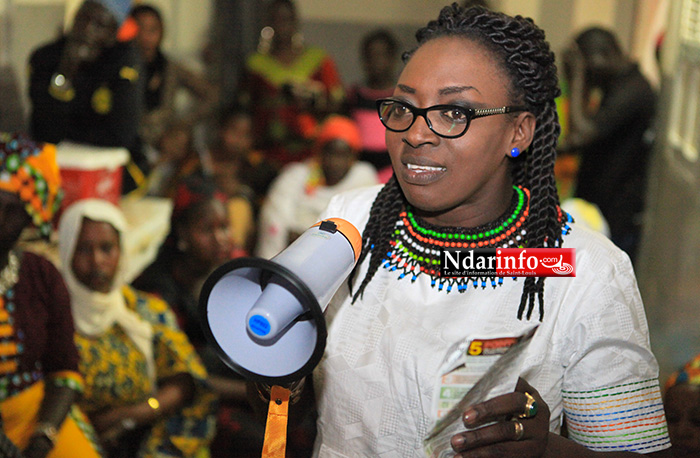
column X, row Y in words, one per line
column 187, row 22
column 338, row 25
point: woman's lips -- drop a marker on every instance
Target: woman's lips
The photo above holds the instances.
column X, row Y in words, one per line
column 422, row 174
column 424, row 168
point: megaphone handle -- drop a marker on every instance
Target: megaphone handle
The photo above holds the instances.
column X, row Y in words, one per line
column 275, row 443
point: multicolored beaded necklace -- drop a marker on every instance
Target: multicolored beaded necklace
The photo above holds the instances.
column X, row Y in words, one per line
column 11, row 344
column 417, row 245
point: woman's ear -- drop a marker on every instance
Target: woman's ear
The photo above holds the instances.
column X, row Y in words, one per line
column 524, row 130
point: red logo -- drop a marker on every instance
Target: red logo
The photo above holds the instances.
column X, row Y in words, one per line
column 508, row 262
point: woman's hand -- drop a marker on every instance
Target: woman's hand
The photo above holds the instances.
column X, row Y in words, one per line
column 108, row 419
column 109, row 438
column 517, row 425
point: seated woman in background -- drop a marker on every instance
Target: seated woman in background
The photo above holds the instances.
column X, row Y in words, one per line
column 199, row 241
column 240, row 205
column 379, row 52
column 144, row 382
column 288, row 85
column 164, row 77
column 303, row 189
column 235, row 141
column 177, row 159
column 39, row 378
column 682, row 404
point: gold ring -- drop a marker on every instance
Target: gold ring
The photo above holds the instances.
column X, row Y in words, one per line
column 519, row 429
column 530, row 407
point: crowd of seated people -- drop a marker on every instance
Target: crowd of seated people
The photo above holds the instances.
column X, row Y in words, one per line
column 133, row 374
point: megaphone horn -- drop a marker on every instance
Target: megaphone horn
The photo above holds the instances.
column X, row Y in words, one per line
column 265, row 318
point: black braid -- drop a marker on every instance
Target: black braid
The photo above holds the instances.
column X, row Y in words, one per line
column 379, row 230
column 520, row 47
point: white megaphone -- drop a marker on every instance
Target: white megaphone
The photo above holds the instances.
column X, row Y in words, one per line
column 265, row 317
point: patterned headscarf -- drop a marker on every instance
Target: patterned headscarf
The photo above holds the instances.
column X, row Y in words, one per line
column 689, row 374
column 29, row 169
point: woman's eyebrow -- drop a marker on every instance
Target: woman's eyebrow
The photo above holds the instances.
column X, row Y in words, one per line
column 456, row 90
column 449, row 90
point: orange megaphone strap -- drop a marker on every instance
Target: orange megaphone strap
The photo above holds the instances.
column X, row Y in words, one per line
column 275, row 442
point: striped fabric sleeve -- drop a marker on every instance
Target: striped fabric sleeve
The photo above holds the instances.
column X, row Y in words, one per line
column 626, row 417
column 70, row 379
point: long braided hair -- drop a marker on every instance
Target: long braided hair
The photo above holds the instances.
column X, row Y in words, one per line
column 519, row 46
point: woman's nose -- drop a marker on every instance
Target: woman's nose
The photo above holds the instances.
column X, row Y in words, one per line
column 420, row 133
column 97, row 258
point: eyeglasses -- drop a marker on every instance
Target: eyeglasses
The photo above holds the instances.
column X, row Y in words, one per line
column 448, row 121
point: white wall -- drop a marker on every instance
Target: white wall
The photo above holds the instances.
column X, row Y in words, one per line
column 527, row 8
column 187, row 25
column 186, row 22
column 388, row 12
column 391, row 12
column 334, row 24
column 594, row 12
column 338, row 25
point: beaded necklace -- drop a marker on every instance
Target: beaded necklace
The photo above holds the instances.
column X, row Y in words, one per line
column 10, row 380
column 10, row 274
column 416, row 247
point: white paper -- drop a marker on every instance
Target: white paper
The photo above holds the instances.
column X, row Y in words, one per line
column 473, row 371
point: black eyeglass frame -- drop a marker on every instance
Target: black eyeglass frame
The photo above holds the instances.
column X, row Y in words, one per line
column 472, row 113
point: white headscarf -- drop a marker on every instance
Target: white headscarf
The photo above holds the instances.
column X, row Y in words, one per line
column 95, row 312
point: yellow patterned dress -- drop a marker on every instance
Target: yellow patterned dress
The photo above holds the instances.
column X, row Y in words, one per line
column 115, row 374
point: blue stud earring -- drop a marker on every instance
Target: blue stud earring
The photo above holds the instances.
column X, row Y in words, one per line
column 515, row 152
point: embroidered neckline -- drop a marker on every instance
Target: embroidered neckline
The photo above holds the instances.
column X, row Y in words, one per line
column 417, row 244
column 11, row 341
